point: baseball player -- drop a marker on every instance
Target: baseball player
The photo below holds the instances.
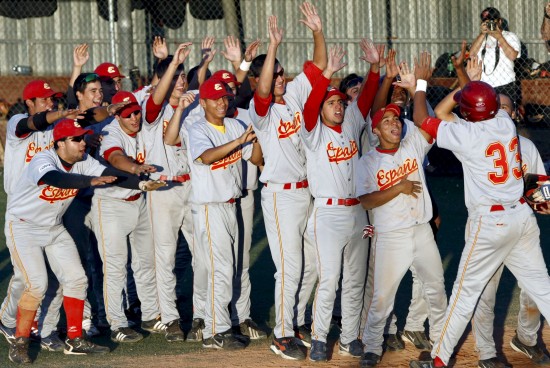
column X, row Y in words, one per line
column 501, row 227
column 391, row 182
column 168, row 212
column 331, row 135
column 216, row 146
column 276, row 113
column 46, row 188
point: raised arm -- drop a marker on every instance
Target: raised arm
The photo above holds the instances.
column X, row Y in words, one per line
column 458, row 63
column 241, row 73
column 422, row 72
column 368, row 90
column 181, row 53
column 80, row 57
column 208, row 53
column 313, row 22
column 263, row 89
column 383, row 91
column 171, row 135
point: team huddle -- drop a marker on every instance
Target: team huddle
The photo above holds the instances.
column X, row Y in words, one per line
column 110, row 184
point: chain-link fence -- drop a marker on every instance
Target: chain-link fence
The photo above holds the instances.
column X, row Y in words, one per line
column 37, row 38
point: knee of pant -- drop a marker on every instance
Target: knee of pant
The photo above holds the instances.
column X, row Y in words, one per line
column 31, row 299
column 76, row 285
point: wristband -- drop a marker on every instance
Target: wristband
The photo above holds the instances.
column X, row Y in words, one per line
column 245, row 65
column 421, row 85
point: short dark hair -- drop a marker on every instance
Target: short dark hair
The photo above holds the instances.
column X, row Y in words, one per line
column 349, row 81
column 192, row 77
column 490, row 13
column 82, row 81
column 162, row 67
column 258, row 64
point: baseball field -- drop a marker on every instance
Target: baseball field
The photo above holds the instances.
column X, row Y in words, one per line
column 155, row 351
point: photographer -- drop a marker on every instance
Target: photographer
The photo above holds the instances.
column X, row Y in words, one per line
column 497, row 49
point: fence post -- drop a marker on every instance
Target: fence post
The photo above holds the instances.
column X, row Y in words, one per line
column 125, row 40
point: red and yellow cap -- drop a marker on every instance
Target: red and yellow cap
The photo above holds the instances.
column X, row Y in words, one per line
column 68, row 128
column 132, row 106
column 109, row 70
column 379, row 115
column 39, row 89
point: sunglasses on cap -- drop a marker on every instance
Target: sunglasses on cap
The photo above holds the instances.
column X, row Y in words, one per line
column 91, row 77
column 280, row 73
column 75, row 139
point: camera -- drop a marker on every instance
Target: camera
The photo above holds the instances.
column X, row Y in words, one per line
column 492, row 25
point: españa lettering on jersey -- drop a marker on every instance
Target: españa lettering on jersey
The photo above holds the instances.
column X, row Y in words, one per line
column 52, row 194
column 389, row 178
column 287, row 128
column 33, row 149
column 338, row 154
column 228, row 160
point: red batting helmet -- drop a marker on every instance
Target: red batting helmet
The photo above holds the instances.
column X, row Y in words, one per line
column 477, row 101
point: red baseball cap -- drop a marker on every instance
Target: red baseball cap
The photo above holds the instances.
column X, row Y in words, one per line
column 225, row 76
column 109, row 70
column 331, row 91
column 213, row 89
column 39, row 88
column 379, row 115
column 68, row 128
column 127, row 110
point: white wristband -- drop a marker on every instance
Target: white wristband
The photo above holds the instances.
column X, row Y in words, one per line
column 421, row 85
column 245, row 65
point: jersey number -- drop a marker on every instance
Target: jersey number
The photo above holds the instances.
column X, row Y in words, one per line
column 500, row 162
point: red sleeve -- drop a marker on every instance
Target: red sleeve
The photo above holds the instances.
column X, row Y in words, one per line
column 312, row 72
column 314, row 102
column 153, row 110
column 261, row 105
column 107, row 153
column 368, row 93
column 430, row 126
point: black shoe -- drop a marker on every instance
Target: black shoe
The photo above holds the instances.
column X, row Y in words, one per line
column 195, row 335
column 81, row 346
column 353, row 349
column 421, row 364
column 394, row 342
column 173, row 331
column 318, row 352
column 418, row 339
column 250, row 329
column 225, row 340
column 287, row 348
column 303, row 334
column 19, row 351
column 154, row 326
column 369, row 360
column 534, row 353
column 125, row 335
column 491, row 363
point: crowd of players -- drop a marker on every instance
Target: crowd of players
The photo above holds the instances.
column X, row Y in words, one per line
column 110, row 184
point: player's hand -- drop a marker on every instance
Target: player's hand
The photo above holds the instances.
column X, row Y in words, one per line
column 458, row 61
column 335, row 56
column 275, row 34
column 186, row 100
column 80, row 55
column 101, row 180
column 113, row 108
column 207, row 52
column 69, row 114
column 368, row 231
column 232, row 51
column 181, row 53
column 391, row 67
column 93, row 140
column 150, row 185
column 474, row 68
column 410, row 187
column 312, row 21
column 423, row 66
column 406, row 79
column 252, row 50
column 143, row 169
column 381, row 49
column 370, row 53
column 160, row 49
column 248, row 135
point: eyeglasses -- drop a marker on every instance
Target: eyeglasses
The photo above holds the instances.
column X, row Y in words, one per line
column 280, row 73
column 75, row 139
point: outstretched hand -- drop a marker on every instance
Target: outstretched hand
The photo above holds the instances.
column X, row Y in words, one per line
column 474, row 68
column 248, row 135
column 182, row 52
column 458, row 62
column 80, row 55
column 207, row 52
column 252, row 50
column 160, row 49
column 101, row 180
column 423, row 66
column 335, row 56
column 232, row 51
column 391, row 67
column 370, row 52
column 406, row 79
column 312, row 21
column 275, row 33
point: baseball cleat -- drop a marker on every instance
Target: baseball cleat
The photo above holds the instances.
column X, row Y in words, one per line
column 318, row 352
column 225, row 340
column 418, row 339
column 491, row 363
column 35, row 334
column 195, row 335
column 8, row 332
column 19, row 351
column 534, row 353
column 52, row 343
column 125, row 335
column 394, row 342
column 421, row 364
column 353, row 349
column 154, row 326
column 174, row 332
column 303, row 334
column 250, row 328
column 81, row 346
column 287, row 348
column 369, row 360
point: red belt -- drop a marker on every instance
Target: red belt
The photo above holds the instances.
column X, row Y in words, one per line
column 298, row 185
column 343, row 202
column 232, row 200
column 133, row 198
column 180, row 179
column 499, row 207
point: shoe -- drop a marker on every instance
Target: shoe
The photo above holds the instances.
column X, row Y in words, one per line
column 421, row 364
column 125, row 334
column 174, row 332
column 491, row 363
column 8, row 332
column 394, row 342
column 52, row 343
column 318, row 352
column 369, row 360
column 418, row 339
column 336, row 321
column 154, row 326
column 81, row 346
column 250, row 328
column 89, row 329
column 35, row 334
column 534, row 353
column 225, row 340
column 287, row 348
column 353, row 349
column 303, row 334
column 19, row 351
column 195, row 335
